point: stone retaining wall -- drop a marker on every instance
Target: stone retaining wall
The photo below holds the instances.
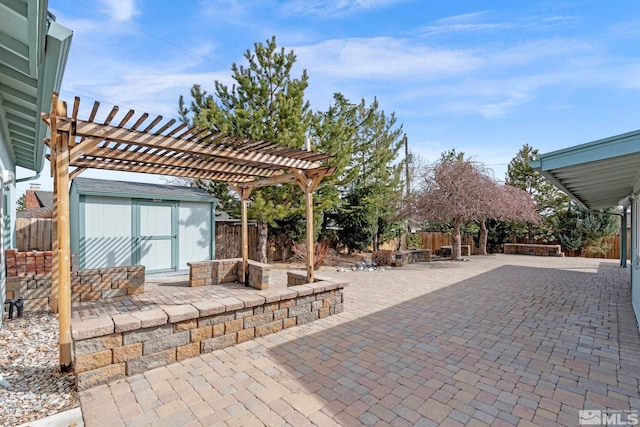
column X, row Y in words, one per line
column 407, row 257
column 216, row 272
column 538, row 250
column 112, row 347
column 86, row 285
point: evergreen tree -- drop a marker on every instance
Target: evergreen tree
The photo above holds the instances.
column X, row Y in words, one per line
column 581, row 229
column 549, row 200
column 264, row 103
column 375, row 172
column 21, row 203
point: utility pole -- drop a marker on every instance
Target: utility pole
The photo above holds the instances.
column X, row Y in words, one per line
column 407, row 161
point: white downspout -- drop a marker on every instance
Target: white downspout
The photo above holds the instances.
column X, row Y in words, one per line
column 6, row 177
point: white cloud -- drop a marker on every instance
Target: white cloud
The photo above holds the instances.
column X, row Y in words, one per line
column 382, row 57
column 333, row 8
column 120, row 10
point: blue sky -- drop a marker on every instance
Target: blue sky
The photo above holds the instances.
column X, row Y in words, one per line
column 482, row 77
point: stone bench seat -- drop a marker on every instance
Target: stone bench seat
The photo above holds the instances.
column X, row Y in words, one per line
column 401, row 258
column 533, row 249
column 215, row 272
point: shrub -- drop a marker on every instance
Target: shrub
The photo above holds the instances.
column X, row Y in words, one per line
column 383, row 258
column 323, row 253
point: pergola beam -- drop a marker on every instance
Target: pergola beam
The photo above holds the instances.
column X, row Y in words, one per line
column 128, row 136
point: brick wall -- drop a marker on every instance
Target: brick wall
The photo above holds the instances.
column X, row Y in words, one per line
column 86, row 285
column 115, row 346
column 31, row 201
column 24, row 263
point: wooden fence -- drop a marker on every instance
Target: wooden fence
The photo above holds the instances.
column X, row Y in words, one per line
column 33, row 234
column 435, row 240
column 612, row 253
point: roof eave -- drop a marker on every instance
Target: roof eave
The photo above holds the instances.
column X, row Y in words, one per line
column 561, row 163
column 58, row 43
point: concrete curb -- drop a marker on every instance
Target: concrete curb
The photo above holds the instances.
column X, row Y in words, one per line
column 70, row 418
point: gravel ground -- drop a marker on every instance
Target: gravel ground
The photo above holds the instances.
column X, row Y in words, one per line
column 29, row 363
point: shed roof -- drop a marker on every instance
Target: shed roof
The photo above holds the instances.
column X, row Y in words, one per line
column 598, row 174
column 45, row 198
column 103, row 187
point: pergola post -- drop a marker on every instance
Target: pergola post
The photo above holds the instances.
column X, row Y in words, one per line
column 309, row 185
column 244, row 193
column 54, row 243
column 60, row 143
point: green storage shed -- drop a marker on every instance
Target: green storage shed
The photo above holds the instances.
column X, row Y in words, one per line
column 119, row 223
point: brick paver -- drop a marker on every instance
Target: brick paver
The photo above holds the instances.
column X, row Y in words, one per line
column 498, row 340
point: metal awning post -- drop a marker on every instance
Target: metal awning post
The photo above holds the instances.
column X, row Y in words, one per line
column 623, row 239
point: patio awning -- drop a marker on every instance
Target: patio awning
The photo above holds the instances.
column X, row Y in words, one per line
column 597, row 174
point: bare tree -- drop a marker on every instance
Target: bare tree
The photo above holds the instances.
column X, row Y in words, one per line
column 504, row 202
column 458, row 190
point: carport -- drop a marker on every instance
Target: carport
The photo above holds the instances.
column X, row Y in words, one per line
column 602, row 174
column 135, row 142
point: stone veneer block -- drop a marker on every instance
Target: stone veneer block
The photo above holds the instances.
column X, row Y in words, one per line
column 90, row 328
column 318, row 286
column 125, row 322
column 251, row 300
column 303, row 290
column 287, row 293
column 208, row 308
column 104, row 375
column 179, row 313
column 271, row 295
column 147, row 334
column 155, row 360
column 187, row 351
column 97, row 344
column 165, row 343
column 218, row 343
column 92, row 361
column 150, row 318
column 231, row 303
column 269, row 328
column 127, row 352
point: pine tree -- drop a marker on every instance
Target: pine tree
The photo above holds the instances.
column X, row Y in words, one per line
column 549, row 200
column 376, row 185
column 264, row 103
column 21, row 203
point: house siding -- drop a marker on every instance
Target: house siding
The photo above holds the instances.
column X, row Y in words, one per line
column 635, row 258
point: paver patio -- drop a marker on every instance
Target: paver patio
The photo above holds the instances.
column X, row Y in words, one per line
column 498, row 340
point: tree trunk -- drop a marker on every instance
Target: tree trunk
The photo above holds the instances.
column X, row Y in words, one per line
column 456, row 249
column 263, row 232
column 484, row 234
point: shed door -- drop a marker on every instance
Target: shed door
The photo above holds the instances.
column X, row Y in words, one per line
column 155, row 235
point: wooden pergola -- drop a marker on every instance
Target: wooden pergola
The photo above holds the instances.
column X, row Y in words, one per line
column 138, row 143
